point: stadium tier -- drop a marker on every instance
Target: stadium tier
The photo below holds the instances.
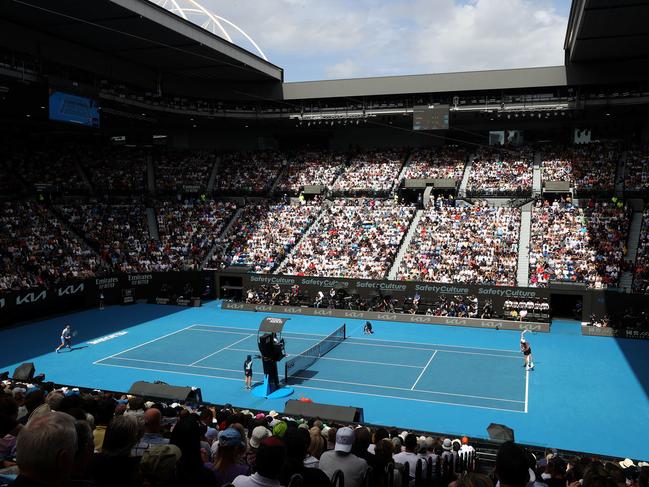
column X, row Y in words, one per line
column 212, row 276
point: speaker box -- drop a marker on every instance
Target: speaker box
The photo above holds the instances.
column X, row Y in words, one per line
column 165, row 392
column 341, row 414
column 24, row 372
column 500, row 432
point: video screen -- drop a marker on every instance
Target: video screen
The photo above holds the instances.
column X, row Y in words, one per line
column 425, row 117
column 65, row 107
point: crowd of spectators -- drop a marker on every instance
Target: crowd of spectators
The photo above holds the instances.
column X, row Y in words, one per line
column 374, row 172
column 636, row 170
column 445, row 162
column 500, row 173
column 37, row 250
column 53, row 435
column 578, row 243
column 587, row 167
column 472, row 244
column 266, row 233
column 249, row 172
column 178, row 171
column 641, row 275
column 557, row 169
column 188, row 231
column 118, row 232
column 115, row 170
column 311, row 168
column 51, row 170
column 355, row 238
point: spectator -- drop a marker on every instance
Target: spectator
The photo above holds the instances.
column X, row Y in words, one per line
column 114, row 465
column 341, row 458
column 259, row 434
column 190, row 470
column 512, row 468
column 46, row 451
column 410, row 455
column 297, row 443
column 152, row 432
column 83, row 456
column 383, row 452
column 227, row 464
column 500, row 173
column 104, row 412
column 158, row 465
column 271, row 458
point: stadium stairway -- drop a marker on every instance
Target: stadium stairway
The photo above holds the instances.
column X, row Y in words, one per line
column 404, row 168
column 150, row 175
column 536, row 175
column 626, row 278
column 313, row 225
column 405, row 243
column 226, row 231
column 83, row 176
column 283, row 170
column 153, row 224
column 215, row 171
column 465, row 178
column 523, row 271
column 619, row 176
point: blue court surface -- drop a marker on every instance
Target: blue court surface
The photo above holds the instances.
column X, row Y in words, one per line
column 586, row 393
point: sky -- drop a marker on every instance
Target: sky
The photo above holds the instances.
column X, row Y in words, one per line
column 337, row 39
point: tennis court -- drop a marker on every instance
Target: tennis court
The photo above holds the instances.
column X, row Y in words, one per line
column 454, row 375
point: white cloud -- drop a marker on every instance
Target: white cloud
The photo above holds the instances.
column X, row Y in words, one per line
column 343, row 38
column 344, row 69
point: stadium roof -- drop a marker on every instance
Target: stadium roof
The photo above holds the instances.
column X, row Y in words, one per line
column 607, row 30
column 141, row 32
column 429, row 83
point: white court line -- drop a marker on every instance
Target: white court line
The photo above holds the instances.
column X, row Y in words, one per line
column 339, row 359
column 180, row 365
column 321, row 389
column 527, row 387
column 316, row 379
column 376, row 339
column 255, row 330
column 220, row 350
column 406, row 399
column 403, row 388
column 241, row 333
column 424, row 369
column 145, row 343
column 433, row 344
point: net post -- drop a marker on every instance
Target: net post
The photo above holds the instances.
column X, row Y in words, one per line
column 344, row 331
column 285, row 373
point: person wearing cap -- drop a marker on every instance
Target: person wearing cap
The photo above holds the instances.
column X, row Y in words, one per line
column 227, row 464
column 527, row 352
column 341, row 458
column 259, row 434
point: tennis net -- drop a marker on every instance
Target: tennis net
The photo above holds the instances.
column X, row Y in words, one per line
column 307, row 358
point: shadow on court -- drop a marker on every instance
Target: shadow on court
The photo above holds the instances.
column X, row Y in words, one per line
column 27, row 341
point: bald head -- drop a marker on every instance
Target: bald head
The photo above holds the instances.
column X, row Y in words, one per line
column 152, row 418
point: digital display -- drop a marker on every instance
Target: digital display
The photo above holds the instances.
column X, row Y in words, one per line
column 65, row 107
column 425, row 117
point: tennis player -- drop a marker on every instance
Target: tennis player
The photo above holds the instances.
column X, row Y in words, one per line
column 66, row 338
column 527, row 352
column 367, row 329
column 247, row 370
